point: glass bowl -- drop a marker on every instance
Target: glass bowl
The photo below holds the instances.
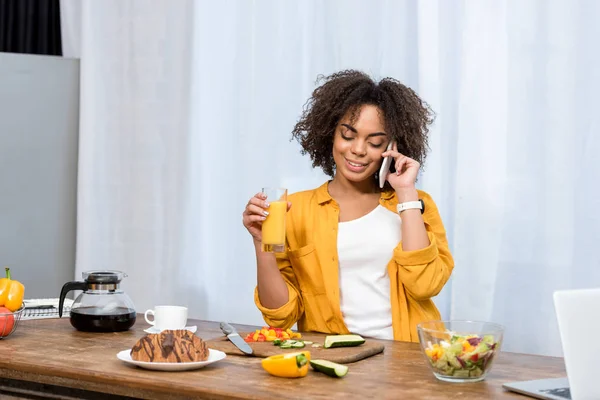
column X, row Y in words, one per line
column 9, row 321
column 460, row 351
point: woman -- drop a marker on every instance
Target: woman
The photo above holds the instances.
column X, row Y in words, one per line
column 355, row 261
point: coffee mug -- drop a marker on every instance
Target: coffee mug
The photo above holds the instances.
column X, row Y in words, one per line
column 168, row 317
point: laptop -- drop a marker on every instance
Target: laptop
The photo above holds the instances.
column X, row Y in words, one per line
column 578, row 315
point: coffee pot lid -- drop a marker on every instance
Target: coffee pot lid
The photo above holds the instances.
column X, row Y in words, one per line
column 103, row 276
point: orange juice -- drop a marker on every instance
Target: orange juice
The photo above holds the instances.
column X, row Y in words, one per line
column 273, row 228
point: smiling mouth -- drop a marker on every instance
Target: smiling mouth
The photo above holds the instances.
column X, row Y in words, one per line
column 356, row 166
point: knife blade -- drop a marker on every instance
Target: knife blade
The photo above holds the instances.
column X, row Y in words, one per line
column 235, row 338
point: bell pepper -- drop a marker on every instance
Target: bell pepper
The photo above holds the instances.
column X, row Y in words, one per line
column 293, row 335
column 289, row 365
column 11, row 292
column 269, row 334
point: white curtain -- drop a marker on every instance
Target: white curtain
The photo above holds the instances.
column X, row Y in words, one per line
column 526, row 204
column 187, row 109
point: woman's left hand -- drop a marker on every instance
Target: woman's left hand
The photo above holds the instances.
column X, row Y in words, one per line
column 406, row 170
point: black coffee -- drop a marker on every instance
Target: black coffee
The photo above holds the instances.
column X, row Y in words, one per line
column 89, row 319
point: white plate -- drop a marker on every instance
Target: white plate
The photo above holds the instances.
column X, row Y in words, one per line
column 213, row 356
column 154, row 329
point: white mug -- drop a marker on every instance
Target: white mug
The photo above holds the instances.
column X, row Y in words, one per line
column 168, row 317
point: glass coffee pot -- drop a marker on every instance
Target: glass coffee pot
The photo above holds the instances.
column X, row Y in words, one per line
column 103, row 306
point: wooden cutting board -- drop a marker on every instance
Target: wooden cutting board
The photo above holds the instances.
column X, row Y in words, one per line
column 341, row 355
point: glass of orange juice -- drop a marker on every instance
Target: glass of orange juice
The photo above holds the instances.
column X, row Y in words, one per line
column 273, row 227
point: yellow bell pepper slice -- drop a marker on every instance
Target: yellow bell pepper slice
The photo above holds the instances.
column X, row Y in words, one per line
column 289, row 365
column 11, row 292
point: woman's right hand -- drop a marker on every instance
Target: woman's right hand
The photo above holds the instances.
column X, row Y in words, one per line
column 255, row 213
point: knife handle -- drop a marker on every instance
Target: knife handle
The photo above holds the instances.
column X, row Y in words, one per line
column 226, row 328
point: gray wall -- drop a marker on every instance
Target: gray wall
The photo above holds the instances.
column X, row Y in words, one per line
column 39, row 119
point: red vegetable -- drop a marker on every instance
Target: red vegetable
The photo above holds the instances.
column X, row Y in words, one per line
column 7, row 321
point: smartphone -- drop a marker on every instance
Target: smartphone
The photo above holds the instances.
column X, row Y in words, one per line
column 385, row 166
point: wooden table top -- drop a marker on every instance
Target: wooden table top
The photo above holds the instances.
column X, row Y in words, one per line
column 50, row 351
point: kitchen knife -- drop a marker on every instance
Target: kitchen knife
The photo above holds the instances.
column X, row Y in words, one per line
column 235, row 338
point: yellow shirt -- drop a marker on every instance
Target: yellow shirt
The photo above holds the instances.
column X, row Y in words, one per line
column 310, row 269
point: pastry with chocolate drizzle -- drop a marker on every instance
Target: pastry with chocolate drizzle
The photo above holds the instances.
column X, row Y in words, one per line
column 170, row 346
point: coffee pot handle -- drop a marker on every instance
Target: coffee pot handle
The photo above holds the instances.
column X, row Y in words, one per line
column 67, row 287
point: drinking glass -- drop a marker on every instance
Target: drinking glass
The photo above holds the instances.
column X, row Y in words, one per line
column 273, row 227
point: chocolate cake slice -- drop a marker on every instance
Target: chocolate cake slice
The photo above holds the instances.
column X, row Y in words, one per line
column 172, row 346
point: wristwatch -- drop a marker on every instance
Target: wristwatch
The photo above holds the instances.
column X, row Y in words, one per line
column 410, row 205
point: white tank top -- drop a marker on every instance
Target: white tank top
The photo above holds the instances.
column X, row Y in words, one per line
column 365, row 247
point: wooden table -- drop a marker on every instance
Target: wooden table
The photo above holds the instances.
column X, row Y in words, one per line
column 49, row 356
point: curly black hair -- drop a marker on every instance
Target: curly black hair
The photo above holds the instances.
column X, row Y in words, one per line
column 406, row 117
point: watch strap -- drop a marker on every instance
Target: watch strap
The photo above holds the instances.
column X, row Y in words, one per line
column 418, row 204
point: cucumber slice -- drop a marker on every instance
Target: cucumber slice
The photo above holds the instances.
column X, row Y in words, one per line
column 290, row 344
column 306, row 342
column 329, row 368
column 343, row 341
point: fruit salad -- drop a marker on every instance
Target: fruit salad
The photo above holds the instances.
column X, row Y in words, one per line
column 462, row 356
column 270, row 334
